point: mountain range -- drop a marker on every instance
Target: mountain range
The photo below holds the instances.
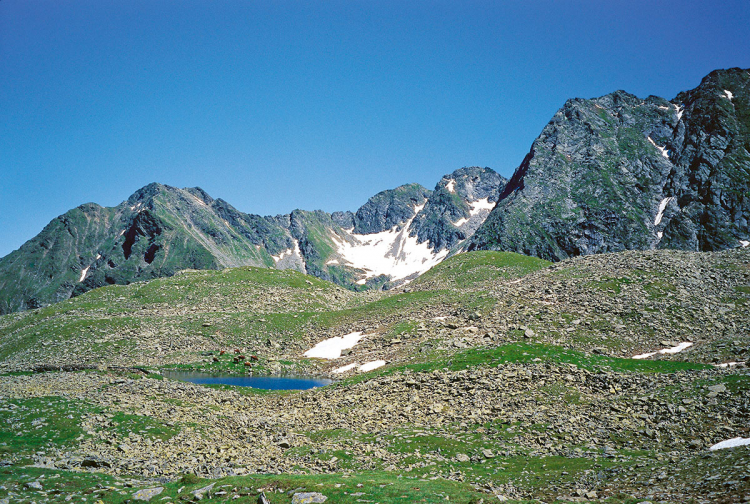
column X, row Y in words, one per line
column 606, row 174
column 160, row 230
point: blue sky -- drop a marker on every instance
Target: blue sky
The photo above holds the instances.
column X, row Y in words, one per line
column 276, row 105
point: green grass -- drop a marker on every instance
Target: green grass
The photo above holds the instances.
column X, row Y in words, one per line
column 611, row 285
column 124, row 424
column 384, row 487
column 521, row 352
column 30, row 425
column 474, row 269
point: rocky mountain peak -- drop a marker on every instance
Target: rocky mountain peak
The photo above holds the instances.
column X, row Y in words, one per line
column 389, row 208
column 148, row 192
column 619, row 172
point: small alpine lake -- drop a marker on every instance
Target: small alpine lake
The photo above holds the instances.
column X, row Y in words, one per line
column 258, row 382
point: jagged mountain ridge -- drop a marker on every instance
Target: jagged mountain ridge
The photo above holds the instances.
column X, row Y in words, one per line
column 160, row 230
column 618, row 172
column 606, row 174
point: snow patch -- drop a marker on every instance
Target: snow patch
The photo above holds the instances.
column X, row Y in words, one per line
column 121, row 233
column 451, row 186
column 662, row 107
column 659, row 234
column 482, row 204
column 677, row 349
column 672, row 350
column 460, row 222
column 663, row 150
column 725, row 365
column 361, row 281
column 344, row 369
column 369, row 366
column 98, row 256
column 662, row 207
column 392, row 252
column 728, row 94
column 332, row 347
column 439, row 318
column 332, row 261
column 744, row 243
column 283, row 254
column 731, row 443
column 298, row 252
column 83, row 273
column 680, row 110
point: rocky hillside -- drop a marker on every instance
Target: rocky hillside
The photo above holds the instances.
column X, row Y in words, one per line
column 602, row 378
column 160, row 230
column 620, row 172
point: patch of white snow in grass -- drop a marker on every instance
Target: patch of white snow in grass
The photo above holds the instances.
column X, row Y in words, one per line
column 332, row 347
column 344, row 369
column 369, row 366
column 392, row 252
column 728, row 94
column 725, row 365
column 451, row 186
column 332, row 261
column 439, row 318
column 659, row 234
column 98, row 256
column 663, row 150
column 662, row 107
column 361, row 281
column 460, row 222
column 673, row 350
column 744, row 243
column 83, row 273
column 479, row 205
column 122, row 232
column 662, row 207
column 680, row 111
column 731, row 443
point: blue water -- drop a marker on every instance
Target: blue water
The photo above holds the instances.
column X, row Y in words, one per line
column 259, row 382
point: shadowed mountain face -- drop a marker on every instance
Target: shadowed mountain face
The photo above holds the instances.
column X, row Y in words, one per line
column 160, row 230
column 619, row 172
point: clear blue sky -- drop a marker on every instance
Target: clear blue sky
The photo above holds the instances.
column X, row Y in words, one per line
column 275, row 105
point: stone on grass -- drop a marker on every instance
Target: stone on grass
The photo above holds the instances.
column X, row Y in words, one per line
column 201, row 492
column 146, row 494
column 308, row 498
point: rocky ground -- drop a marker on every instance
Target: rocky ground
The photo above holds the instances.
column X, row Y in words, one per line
column 505, row 380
